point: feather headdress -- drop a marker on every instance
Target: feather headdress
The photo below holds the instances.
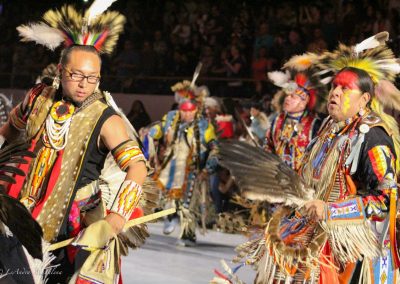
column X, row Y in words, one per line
column 299, row 78
column 371, row 55
column 188, row 92
column 378, row 60
column 66, row 25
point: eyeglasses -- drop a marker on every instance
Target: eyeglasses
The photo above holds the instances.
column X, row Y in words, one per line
column 79, row 77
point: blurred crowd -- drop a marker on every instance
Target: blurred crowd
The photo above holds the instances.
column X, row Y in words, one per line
column 238, row 42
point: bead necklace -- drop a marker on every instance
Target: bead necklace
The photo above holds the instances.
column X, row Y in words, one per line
column 58, row 123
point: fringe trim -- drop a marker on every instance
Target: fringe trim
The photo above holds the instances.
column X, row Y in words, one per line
column 287, row 257
column 323, row 183
column 251, row 251
column 365, row 274
column 188, row 221
column 352, row 242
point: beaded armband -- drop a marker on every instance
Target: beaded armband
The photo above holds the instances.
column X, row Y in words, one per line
column 126, row 152
column 127, row 199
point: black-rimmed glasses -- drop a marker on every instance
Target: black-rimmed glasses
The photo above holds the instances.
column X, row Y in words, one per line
column 79, row 77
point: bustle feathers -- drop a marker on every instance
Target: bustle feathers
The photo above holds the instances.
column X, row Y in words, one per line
column 12, row 213
column 262, row 176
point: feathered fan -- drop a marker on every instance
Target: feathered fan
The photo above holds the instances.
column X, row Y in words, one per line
column 263, row 176
column 12, row 213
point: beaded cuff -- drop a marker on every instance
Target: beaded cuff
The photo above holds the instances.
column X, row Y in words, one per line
column 127, row 199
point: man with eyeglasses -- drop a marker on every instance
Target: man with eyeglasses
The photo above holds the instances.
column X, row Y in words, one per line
column 72, row 129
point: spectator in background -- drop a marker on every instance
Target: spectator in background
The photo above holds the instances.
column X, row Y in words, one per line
column 235, row 69
column 263, row 39
column 318, row 43
column 159, row 45
column 294, row 45
column 138, row 116
column 215, row 23
column 148, row 59
column 349, row 21
column 183, row 30
column 260, row 66
column 329, row 28
column 179, row 63
column 5, row 58
column 170, row 16
column 310, row 16
column 278, row 49
column 259, row 122
column 381, row 23
column 218, row 69
column 207, row 58
column 160, row 48
column 126, row 64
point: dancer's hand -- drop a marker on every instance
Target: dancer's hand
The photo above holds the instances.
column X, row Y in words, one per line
column 116, row 221
column 315, row 209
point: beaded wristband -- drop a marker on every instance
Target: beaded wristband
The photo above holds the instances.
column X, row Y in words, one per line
column 127, row 198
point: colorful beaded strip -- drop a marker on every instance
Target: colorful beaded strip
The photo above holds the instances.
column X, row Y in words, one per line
column 125, row 153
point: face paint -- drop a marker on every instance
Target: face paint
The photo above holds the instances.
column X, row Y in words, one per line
column 300, row 93
column 346, row 101
column 346, row 79
column 187, row 106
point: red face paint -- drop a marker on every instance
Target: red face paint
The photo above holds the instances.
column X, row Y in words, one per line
column 187, row 106
column 346, row 79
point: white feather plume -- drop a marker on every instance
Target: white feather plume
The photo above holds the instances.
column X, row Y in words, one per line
column 326, row 80
column 371, row 42
column 196, row 74
column 97, row 8
column 41, row 34
column 393, row 67
column 279, row 78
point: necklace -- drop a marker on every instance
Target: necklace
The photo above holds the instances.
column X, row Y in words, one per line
column 57, row 124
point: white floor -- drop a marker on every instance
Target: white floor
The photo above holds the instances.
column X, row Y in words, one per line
column 160, row 261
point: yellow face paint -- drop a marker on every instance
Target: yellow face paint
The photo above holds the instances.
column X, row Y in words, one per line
column 346, row 99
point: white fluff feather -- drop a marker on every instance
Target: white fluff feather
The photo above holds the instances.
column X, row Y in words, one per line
column 97, row 8
column 371, row 42
column 41, row 34
column 279, row 78
column 394, row 67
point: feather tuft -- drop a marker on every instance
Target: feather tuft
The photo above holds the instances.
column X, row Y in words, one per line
column 301, row 62
column 97, row 8
column 42, row 34
column 372, row 42
column 387, row 94
column 279, row 78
